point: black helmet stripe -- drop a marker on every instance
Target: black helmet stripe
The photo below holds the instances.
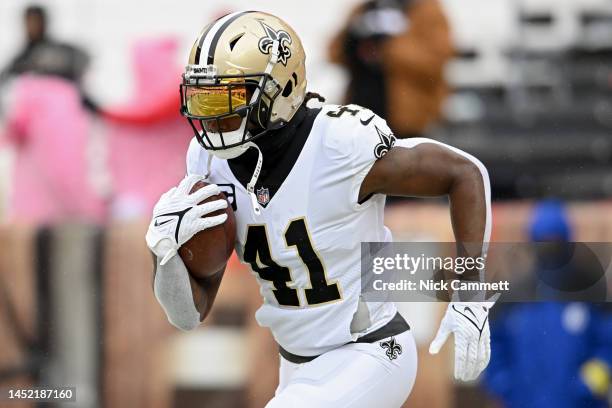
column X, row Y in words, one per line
column 202, row 37
column 214, row 35
column 215, row 40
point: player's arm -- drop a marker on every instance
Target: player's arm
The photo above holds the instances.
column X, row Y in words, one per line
column 177, row 217
column 424, row 168
column 204, row 291
column 421, row 167
column 187, row 300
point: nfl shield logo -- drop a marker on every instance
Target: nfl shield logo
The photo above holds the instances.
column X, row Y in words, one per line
column 263, row 196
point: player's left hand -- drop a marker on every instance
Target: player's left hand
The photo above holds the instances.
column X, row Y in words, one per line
column 469, row 321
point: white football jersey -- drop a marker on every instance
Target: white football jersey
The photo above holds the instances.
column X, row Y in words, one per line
column 305, row 246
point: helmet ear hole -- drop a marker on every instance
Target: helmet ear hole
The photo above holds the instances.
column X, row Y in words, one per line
column 233, row 42
column 288, row 89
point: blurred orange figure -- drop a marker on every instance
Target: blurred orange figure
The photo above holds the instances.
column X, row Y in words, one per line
column 395, row 52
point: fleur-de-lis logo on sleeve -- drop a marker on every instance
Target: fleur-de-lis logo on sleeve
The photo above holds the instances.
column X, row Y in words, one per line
column 386, row 143
column 284, row 41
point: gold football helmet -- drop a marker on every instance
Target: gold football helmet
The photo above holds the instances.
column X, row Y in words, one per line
column 246, row 76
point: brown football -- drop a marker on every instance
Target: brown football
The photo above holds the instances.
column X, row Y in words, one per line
column 208, row 251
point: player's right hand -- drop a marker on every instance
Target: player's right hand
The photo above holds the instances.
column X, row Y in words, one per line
column 178, row 216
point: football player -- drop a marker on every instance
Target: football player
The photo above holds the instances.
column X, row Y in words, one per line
column 309, row 185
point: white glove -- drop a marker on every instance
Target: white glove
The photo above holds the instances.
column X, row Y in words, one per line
column 469, row 321
column 177, row 217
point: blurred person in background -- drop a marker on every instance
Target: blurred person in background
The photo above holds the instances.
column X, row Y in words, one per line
column 47, row 127
column 48, row 130
column 550, row 354
column 44, row 55
column 395, row 52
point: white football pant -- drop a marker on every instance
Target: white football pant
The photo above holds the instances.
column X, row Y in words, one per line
column 356, row 375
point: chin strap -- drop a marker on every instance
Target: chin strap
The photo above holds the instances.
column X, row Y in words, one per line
column 271, row 63
column 251, row 185
column 274, row 54
column 208, row 166
column 253, row 181
column 254, row 177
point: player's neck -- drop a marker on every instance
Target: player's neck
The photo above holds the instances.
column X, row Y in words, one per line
column 275, row 143
column 280, row 150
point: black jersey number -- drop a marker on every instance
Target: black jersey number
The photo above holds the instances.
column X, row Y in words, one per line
column 342, row 110
column 257, row 253
column 353, row 112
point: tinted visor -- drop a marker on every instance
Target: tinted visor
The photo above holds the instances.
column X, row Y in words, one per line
column 215, row 99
